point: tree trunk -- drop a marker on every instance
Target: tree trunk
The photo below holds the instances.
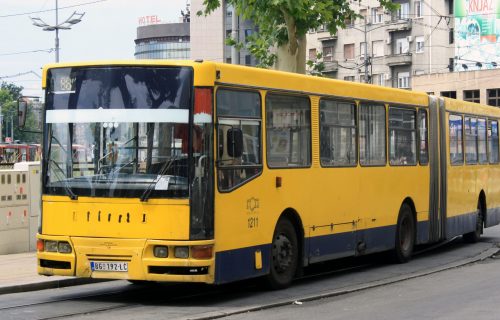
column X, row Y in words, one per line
column 292, row 62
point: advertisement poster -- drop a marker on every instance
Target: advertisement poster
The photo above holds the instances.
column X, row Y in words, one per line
column 477, row 34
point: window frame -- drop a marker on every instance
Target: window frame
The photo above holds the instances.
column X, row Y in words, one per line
column 489, row 127
column 471, row 134
column 415, row 130
column 461, row 139
column 359, row 106
column 216, row 139
column 340, row 100
column 419, row 141
column 310, row 149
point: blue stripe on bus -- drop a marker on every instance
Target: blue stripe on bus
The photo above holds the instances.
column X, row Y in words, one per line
column 458, row 225
column 492, row 217
column 239, row 264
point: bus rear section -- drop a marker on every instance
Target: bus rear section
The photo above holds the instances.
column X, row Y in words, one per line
column 137, row 204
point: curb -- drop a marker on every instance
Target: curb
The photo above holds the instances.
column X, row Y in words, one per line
column 374, row 284
column 51, row 284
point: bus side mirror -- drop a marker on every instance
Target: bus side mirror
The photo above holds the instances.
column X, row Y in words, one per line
column 235, row 142
column 22, row 108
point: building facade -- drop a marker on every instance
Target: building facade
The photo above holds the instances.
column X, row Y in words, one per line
column 209, row 34
column 163, row 41
column 389, row 48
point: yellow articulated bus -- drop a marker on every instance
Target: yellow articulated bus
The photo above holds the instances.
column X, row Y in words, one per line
column 205, row 172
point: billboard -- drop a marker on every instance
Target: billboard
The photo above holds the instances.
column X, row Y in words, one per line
column 477, row 34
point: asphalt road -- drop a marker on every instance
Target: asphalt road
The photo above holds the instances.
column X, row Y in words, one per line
column 371, row 283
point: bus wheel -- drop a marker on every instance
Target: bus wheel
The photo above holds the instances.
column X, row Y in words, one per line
column 474, row 236
column 284, row 255
column 405, row 235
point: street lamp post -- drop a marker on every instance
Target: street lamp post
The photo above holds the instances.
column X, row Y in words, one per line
column 65, row 25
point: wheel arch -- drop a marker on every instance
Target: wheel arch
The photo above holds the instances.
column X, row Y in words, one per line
column 482, row 206
column 294, row 217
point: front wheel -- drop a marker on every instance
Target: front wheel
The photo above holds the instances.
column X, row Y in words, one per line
column 284, row 255
column 405, row 235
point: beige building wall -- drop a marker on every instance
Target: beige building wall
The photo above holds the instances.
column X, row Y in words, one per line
column 207, row 34
column 483, row 81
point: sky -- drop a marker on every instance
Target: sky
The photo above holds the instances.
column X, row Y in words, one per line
column 107, row 31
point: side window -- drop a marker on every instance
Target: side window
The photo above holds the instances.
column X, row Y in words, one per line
column 423, row 137
column 493, row 141
column 470, row 140
column 288, row 125
column 337, row 133
column 481, row 141
column 402, row 137
column 456, row 145
column 238, row 137
column 372, row 134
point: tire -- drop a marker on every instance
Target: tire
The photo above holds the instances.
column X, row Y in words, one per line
column 475, row 236
column 405, row 235
column 284, row 256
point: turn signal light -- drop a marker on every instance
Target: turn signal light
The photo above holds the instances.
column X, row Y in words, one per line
column 39, row 245
column 202, row 252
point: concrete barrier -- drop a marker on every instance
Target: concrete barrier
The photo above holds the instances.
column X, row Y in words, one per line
column 19, row 207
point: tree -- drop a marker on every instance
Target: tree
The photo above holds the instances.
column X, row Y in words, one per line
column 9, row 93
column 283, row 24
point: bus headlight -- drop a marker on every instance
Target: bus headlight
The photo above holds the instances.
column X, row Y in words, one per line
column 160, row 251
column 181, row 252
column 64, row 247
column 50, row 246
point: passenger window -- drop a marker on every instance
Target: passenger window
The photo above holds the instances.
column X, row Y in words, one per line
column 481, row 141
column 238, row 136
column 423, row 137
column 337, row 133
column 470, row 140
column 372, row 135
column 402, row 137
column 456, row 151
column 493, row 141
column 288, row 124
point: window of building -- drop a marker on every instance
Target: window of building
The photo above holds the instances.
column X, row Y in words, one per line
column 449, row 94
column 451, row 36
column 337, row 133
column 349, row 51
column 471, row 96
column 248, row 33
column 362, row 48
column 350, row 78
column 377, row 15
column 481, row 141
column 378, row 79
column 402, row 137
column 312, row 54
column 419, row 9
column 248, row 60
column 450, row 6
column 493, row 97
column 328, row 53
column 372, row 150
column 423, row 137
column 456, row 146
column 239, row 120
column 288, row 124
column 403, row 80
column 403, row 12
column 378, row 48
column 470, row 140
column 493, row 141
column 402, row 45
column 419, row 40
column 363, row 18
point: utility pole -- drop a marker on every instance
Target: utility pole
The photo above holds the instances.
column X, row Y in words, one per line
column 235, row 54
column 1, row 123
column 366, row 54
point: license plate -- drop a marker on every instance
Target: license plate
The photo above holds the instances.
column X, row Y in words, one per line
column 109, row 266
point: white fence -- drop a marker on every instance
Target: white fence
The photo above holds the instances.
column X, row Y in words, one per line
column 19, row 207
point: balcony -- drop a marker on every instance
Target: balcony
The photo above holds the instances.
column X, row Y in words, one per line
column 331, row 66
column 398, row 25
column 398, row 59
column 326, row 36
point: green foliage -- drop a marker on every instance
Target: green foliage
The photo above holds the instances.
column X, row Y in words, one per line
column 281, row 22
column 316, row 66
column 9, row 93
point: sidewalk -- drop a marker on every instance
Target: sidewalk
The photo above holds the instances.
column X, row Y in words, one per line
column 18, row 274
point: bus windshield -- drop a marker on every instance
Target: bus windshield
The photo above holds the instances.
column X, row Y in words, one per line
column 117, row 132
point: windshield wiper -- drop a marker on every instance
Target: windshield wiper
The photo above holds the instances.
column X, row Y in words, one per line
column 70, row 192
column 164, row 168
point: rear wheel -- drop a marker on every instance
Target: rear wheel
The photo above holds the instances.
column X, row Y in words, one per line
column 405, row 235
column 474, row 236
column 284, row 255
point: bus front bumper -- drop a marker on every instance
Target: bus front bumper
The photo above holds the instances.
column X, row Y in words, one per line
column 128, row 259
